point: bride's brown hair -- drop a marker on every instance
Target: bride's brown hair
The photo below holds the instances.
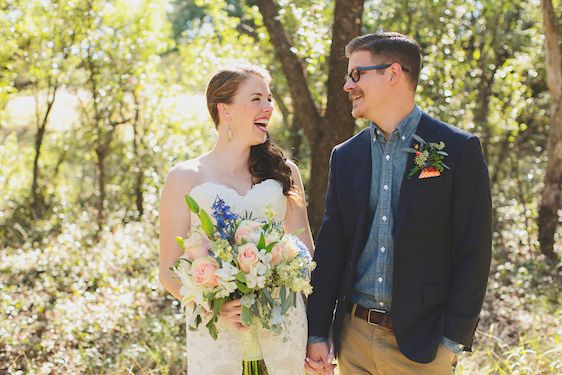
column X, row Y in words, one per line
column 266, row 160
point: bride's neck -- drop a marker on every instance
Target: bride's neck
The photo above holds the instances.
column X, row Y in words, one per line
column 232, row 156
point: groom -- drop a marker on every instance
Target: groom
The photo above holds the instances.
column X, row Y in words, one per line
column 404, row 250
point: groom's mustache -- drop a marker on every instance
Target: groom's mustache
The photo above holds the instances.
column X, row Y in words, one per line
column 356, row 92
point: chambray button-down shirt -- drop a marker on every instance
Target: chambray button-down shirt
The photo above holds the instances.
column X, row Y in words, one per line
column 373, row 282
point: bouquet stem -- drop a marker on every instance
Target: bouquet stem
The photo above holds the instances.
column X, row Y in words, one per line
column 254, row 367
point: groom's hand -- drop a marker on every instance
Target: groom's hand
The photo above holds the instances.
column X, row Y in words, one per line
column 318, row 359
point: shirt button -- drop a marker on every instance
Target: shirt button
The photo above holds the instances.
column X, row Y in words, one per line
column 380, row 279
column 384, row 218
column 385, row 187
column 403, row 138
column 387, row 157
column 381, row 304
column 383, row 249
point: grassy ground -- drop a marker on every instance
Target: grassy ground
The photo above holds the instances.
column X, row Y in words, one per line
column 70, row 305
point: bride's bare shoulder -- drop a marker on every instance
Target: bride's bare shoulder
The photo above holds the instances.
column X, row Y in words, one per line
column 185, row 174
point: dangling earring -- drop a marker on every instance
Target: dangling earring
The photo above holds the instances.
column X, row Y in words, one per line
column 229, row 133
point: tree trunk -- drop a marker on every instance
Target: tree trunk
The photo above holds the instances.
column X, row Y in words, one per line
column 336, row 125
column 36, row 197
column 550, row 199
column 100, row 164
column 138, row 157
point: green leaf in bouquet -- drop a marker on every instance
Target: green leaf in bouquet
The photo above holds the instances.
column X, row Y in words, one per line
column 207, row 223
column 276, row 315
column 212, row 327
column 195, row 318
column 248, row 300
column 192, row 204
column 269, row 247
column 261, row 242
column 246, row 316
column 242, row 287
column 217, row 304
column 241, row 276
column 283, row 295
column 268, row 297
column 289, row 302
column 180, row 242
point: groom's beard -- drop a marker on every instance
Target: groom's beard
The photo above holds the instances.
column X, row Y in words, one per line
column 358, row 111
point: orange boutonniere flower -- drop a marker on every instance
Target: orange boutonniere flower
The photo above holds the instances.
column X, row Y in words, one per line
column 428, row 158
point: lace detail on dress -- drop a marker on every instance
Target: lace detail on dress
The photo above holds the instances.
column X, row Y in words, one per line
column 223, row 356
column 264, row 195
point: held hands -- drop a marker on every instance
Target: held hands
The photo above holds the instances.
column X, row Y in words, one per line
column 230, row 312
column 319, row 359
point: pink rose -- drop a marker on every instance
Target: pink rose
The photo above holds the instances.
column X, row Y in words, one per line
column 289, row 248
column 203, row 270
column 276, row 254
column 197, row 245
column 248, row 231
column 247, row 257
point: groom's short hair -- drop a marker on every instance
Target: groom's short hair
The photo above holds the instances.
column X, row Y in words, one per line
column 393, row 47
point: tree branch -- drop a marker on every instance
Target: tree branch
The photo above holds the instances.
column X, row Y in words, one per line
column 303, row 103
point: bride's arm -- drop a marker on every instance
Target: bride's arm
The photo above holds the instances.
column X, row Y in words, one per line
column 174, row 221
column 296, row 216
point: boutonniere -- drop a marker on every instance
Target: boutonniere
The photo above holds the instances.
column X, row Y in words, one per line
column 428, row 158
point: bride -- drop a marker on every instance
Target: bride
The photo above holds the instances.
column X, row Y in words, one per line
column 250, row 174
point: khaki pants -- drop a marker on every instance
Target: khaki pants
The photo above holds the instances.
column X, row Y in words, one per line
column 372, row 349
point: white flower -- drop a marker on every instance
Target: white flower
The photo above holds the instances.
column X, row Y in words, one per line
column 256, row 278
column 227, row 280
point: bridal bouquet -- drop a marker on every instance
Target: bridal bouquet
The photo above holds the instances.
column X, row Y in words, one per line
column 235, row 256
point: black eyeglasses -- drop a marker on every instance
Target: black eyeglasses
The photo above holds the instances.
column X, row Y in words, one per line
column 355, row 74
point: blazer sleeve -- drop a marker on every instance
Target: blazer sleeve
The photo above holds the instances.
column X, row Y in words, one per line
column 472, row 236
column 329, row 260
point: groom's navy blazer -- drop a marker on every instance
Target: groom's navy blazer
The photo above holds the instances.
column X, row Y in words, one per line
column 442, row 248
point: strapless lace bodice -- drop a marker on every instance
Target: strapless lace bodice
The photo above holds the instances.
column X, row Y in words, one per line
column 223, row 356
column 267, row 194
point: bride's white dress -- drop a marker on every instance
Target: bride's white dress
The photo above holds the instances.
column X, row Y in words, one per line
column 207, row 356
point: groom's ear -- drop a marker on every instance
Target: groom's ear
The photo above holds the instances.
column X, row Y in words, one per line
column 395, row 74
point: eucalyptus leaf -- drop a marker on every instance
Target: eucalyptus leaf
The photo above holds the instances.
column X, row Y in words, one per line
column 266, row 294
column 419, row 139
column 248, row 300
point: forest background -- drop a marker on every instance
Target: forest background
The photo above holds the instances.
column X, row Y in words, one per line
column 99, row 99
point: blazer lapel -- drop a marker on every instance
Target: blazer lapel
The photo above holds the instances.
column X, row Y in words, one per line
column 424, row 130
column 362, row 164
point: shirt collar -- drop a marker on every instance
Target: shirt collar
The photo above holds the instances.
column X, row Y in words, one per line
column 406, row 127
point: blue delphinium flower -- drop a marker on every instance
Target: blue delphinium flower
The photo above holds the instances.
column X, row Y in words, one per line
column 224, row 217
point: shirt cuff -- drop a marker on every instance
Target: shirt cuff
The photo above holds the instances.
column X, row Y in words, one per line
column 316, row 340
column 453, row 346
